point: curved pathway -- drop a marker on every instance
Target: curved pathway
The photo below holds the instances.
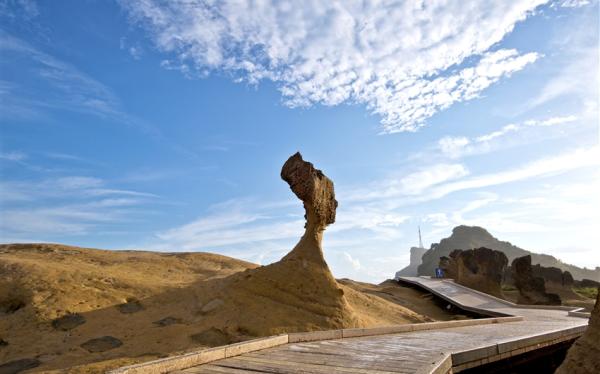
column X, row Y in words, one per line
column 431, row 351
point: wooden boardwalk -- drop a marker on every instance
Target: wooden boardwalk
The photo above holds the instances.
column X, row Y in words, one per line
column 430, row 351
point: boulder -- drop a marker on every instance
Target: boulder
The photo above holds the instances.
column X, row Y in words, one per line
column 481, row 269
column 584, row 355
column 532, row 289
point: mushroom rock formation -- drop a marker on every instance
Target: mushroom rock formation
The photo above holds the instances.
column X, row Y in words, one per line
column 480, row 268
column 584, row 355
column 532, row 289
column 300, row 284
column 316, row 192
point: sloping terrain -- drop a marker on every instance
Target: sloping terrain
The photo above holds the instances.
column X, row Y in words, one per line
column 584, row 355
column 57, row 298
column 470, row 237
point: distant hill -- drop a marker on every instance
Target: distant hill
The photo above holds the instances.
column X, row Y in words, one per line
column 470, row 237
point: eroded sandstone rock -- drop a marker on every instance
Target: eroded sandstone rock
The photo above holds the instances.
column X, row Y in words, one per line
column 301, row 282
column 318, row 197
column 481, row 269
column 532, row 289
column 584, row 355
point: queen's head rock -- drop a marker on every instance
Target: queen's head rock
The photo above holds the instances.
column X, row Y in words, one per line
column 314, row 189
column 318, row 197
column 301, row 282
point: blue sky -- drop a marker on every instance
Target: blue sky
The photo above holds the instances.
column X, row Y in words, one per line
column 163, row 125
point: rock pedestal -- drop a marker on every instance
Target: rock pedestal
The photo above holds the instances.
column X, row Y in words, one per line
column 532, row 289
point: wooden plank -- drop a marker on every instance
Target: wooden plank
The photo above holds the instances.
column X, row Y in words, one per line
column 359, row 362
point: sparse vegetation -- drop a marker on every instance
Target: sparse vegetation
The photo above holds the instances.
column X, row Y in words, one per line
column 508, row 287
column 589, row 292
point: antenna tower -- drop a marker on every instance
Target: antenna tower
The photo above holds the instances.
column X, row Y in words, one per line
column 420, row 240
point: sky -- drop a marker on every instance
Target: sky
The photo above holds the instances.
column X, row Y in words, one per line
column 163, row 125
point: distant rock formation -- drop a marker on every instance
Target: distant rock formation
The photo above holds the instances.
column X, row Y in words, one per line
column 480, row 269
column 532, row 289
column 587, row 283
column 553, row 275
column 415, row 260
column 469, row 237
column 584, row 355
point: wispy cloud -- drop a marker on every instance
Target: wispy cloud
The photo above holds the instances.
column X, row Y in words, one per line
column 13, row 156
column 72, row 205
column 459, row 146
column 405, row 61
column 27, row 9
column 67, row 88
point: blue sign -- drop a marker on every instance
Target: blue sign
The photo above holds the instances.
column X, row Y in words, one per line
column 439, row 273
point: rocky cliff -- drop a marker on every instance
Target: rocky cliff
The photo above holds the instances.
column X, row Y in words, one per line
column 469, row 237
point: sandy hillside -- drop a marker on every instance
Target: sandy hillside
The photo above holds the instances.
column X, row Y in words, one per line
column 42, row 282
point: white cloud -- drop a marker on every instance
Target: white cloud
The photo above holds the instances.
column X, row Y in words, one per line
column 458, row 146
column 68, row 87
column 355, row 263
column 414, row 183
column 13, row 156
column 576, row 159
column 404, row 61
column 572, row 3
column 71, row 205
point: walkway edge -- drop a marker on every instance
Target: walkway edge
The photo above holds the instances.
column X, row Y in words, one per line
column 572, row 311
column 180, row 362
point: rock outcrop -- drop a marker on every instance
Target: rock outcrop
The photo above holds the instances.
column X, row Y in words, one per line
column 481, row 269
column 532, row 289
column 553, row 275
column 318, row 197
column 416, row 254
column 587, row 283
column 301, row 280
column 584, row 355
column 469, row 237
